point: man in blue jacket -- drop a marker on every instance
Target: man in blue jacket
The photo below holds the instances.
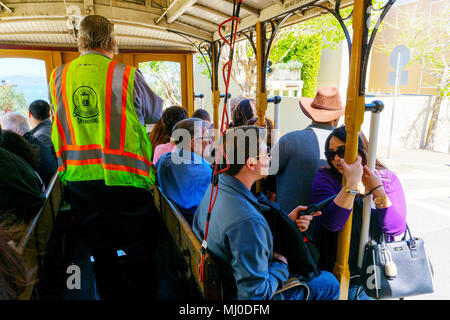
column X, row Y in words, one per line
column 184, row 174
column 239, row 236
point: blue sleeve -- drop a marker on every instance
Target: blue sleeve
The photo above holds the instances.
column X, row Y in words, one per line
column 250, row 244
column 148, row 104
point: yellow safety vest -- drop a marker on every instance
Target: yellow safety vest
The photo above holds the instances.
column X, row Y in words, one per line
column 96, row 133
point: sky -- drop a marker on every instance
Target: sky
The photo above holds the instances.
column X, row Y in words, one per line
column 24, row 67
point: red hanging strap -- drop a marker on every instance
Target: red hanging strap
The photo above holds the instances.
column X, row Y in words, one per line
column 223, row 127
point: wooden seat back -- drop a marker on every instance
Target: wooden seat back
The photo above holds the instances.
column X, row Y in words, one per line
column 189, row 246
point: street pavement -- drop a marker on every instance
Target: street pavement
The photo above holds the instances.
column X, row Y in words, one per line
column 425, row 177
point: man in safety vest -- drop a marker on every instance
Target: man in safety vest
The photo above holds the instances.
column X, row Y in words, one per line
column 101, row 108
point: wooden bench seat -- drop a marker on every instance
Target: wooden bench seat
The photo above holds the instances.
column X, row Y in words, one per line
column 189, row 246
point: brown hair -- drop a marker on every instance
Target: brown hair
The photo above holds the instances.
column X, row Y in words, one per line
column 158, row 136
column 244, row 111
column 13, row 275
column 269, row 127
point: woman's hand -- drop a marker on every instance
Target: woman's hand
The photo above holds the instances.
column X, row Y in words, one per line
column 352, row 173
column 370, row 178
column 302, row 221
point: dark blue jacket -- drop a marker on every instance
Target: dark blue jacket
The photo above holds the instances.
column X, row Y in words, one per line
column 240, row 237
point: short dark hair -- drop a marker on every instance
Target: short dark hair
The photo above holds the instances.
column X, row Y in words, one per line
column 237, row 150
column 40, row 109
column 201, row 114
column 171, row 116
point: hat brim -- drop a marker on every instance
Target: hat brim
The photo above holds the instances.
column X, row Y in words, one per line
column 318, row 115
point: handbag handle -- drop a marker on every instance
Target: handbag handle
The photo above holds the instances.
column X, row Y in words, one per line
column 407, row 232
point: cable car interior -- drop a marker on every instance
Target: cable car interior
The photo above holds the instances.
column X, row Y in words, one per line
column 163, row 30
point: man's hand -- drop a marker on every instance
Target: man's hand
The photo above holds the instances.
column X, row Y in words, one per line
column 302, row 221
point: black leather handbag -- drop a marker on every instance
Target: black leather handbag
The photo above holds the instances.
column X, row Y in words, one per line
column 396, row 269
column 289, row 241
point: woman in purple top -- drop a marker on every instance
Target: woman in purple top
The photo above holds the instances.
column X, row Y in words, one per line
column 388, row 214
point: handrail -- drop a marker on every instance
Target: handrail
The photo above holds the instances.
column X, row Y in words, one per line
column 276, row 100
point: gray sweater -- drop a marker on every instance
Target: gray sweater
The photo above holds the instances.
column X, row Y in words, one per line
column 300, row 155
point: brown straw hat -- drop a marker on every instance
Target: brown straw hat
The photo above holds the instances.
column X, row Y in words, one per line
column 326, row 105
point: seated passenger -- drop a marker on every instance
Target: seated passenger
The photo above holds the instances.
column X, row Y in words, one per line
column 157, row 136
column 269, row 183
column 301, row 152
column 244, row 111
column 41, row 125
column 388, row 207
column 240, row 237
column 184, row 174
column 20, row 187
column 169, row 118
column 46, row 164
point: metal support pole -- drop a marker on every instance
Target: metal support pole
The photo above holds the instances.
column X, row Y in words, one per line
column 375, row 107
column 201, row 96
column 276, row 101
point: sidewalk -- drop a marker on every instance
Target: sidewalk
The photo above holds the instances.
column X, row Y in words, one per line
column 425, row 177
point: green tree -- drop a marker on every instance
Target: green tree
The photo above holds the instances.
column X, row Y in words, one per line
column 164, row 78
column 426, row 34
column 11, row 99
column 307, row 50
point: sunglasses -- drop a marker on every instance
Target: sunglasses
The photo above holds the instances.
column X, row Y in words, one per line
column 340, row 151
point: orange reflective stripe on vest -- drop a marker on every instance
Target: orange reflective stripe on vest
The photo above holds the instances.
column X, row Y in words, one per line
column 111, row 159
column 60, row 114
column 126, row 79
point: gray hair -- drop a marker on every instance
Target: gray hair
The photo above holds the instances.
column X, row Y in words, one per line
column 188, row 128
column 96, row 32
column 15, row 122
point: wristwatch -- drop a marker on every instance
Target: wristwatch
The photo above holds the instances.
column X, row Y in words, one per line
column 382, row 201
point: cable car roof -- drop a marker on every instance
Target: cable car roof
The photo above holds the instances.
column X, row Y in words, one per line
column 142, row 24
